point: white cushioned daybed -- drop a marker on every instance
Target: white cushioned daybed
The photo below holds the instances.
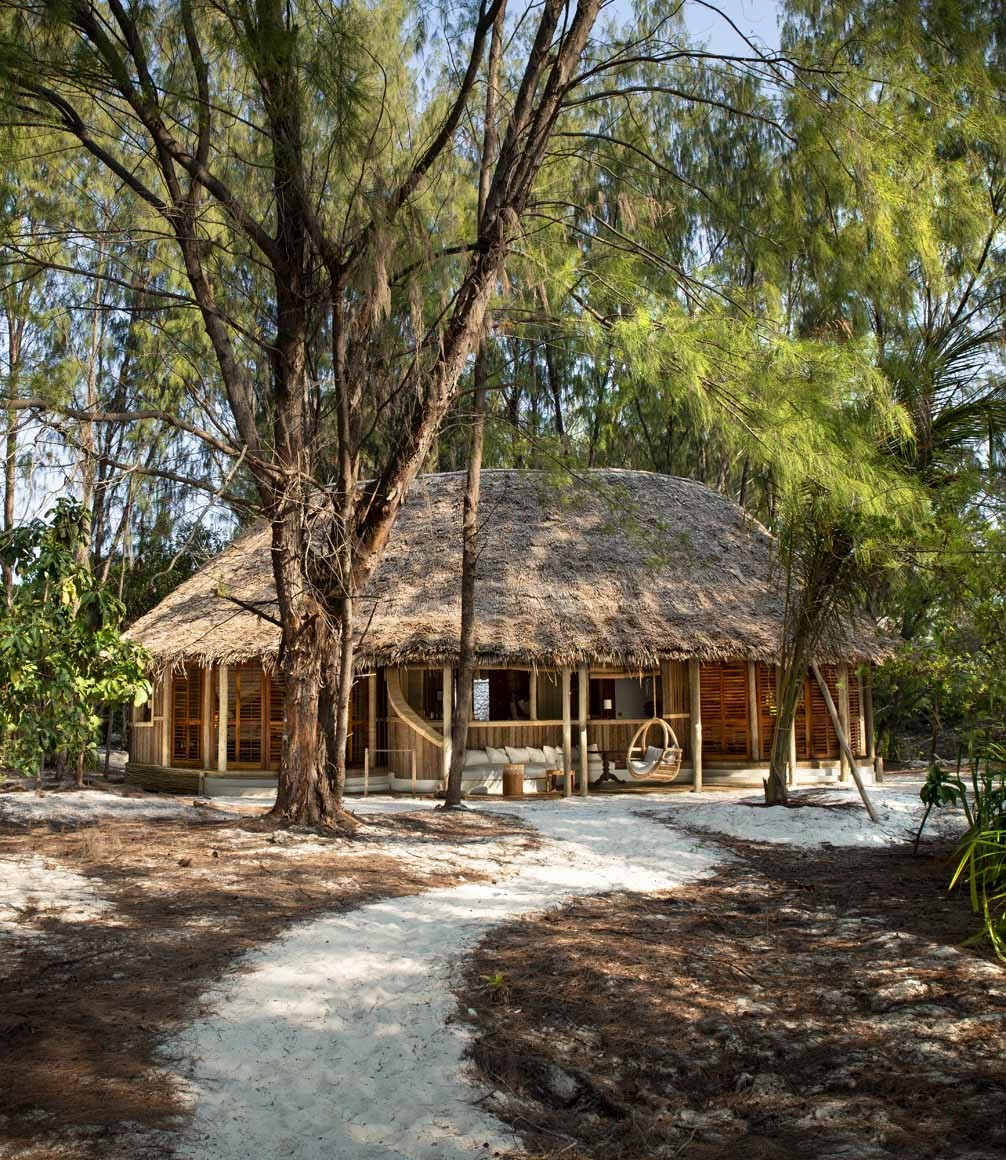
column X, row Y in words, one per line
column 483, row 768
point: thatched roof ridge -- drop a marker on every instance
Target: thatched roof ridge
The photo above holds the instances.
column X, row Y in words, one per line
column 613, row 567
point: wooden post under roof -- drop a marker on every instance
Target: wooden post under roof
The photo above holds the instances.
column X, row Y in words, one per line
column 567, row 741
column 533, row 694
column 791, row 765
column 583, row 685
column 372, row 718
column 753, row 722
column 222, row 718
column 448, row 702
column 695, row 703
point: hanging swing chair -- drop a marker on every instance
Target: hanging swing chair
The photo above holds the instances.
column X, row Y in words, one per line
column 653, row 762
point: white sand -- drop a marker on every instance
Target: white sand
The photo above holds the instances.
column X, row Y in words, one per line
column 92, row 805
column 337, row 1042
column 896, row 802
column 34, row 890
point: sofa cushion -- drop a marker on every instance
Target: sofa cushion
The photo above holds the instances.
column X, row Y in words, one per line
column 518, row 754
column 497, row 756
column 536, row 756
column 553, row 756
column 476, row 758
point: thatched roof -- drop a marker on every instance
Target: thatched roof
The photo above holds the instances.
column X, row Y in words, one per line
column 616, row 567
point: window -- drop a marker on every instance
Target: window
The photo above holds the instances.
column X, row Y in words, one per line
column 144, row 714
column 480, row 699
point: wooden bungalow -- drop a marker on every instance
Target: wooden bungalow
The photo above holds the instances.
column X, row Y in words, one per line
column 602, row 603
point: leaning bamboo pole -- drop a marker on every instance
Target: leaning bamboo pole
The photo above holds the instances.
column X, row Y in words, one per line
column 843, row 741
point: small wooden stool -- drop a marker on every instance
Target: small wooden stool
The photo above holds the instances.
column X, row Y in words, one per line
column 513, row 779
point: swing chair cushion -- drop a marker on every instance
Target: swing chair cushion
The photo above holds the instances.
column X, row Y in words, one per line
column 654, row 760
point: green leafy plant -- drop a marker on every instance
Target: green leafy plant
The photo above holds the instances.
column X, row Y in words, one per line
column 496, row 985
column 61, row 652
column 981, row 857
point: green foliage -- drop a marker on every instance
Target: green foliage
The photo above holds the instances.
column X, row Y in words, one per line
column 949, row 670
column 61, row 654
column 982, row 853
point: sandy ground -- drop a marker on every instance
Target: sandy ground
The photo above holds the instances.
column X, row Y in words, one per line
column 118, row 914
column 795, row 1004
column 341, row 1038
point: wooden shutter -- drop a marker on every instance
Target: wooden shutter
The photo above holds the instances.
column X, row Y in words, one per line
column 277, row 691
column 724, row 697
column 855, row 715
column 823, row 739
column 245, row 703
column 767, row 712
column 187, row 718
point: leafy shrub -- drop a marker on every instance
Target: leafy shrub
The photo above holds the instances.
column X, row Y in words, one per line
column 982, row 854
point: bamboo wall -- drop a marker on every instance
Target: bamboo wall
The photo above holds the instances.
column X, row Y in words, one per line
column 675, row 702
column 146, row 741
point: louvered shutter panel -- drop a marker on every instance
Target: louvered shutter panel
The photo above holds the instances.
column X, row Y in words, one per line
column 723, row 691
column 766, row 708
column 277, row 691
column 244, row 716
column 802, row 723
column 855, row 715
column 187, row 718
column 823, row 739
column 250, row 718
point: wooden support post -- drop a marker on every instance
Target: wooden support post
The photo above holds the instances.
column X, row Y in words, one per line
column 583, row 682
column 791, row 766
column 533, row 694
column 754, row 725
column 843, row 717
column 695, row 705
column 413, row 752
column 372, row 713
column 222, row 718
column 567, row 740
column 448, row 703
column 843, row 740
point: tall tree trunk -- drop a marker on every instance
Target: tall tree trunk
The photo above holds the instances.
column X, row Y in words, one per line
column 304, row 794
column 462, row 709
column 15, row 334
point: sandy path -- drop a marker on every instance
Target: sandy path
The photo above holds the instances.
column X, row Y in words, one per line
column 337, row 1043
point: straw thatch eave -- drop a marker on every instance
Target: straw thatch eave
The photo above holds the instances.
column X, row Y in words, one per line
column 619, row 568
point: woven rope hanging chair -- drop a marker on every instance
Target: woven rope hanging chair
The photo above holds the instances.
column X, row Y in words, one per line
column 653, row 762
